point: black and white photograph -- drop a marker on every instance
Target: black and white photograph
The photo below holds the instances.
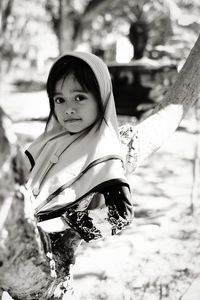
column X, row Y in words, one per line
column 99, row 150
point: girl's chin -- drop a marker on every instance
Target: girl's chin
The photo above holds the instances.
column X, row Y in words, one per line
column 72, row 129
column 75, row 127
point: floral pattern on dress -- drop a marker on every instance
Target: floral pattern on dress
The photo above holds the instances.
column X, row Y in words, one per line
column 130, row 144
column 81, row 222
column 84, row 224
column 116, row 221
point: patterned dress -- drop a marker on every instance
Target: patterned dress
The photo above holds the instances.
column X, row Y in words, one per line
column 108, row 210
column 102, row 213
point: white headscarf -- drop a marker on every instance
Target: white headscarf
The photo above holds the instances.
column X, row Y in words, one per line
column 68, row 167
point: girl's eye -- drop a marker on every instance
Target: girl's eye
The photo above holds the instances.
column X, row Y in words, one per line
column 79, row 98
column 59, row 100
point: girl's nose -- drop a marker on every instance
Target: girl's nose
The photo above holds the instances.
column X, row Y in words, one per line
column 70, row 110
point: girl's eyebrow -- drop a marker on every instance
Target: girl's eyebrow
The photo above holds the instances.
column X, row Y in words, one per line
column 56, row 94
column 78, row 90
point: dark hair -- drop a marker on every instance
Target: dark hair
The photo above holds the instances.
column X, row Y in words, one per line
column 85, row 76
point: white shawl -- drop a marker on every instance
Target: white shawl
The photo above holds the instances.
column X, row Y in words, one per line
column 68, row 167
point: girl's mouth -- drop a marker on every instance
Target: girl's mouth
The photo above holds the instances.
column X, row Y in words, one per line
column 71, row 120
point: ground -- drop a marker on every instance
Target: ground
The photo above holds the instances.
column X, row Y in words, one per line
column 158, row 256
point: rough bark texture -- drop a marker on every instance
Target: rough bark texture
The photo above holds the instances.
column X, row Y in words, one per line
column 25, row 270
column 165, row 118
column 19, row 252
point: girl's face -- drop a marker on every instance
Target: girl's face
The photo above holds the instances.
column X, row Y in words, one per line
column 75, row 108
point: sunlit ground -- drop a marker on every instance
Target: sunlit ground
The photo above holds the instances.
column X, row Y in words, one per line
column 158, row 256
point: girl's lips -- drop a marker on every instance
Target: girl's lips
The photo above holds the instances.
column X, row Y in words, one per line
column 71, row 120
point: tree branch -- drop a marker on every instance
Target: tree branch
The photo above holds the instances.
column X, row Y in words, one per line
column 166, row 117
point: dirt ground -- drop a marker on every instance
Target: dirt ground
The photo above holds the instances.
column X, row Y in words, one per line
column 158, row 256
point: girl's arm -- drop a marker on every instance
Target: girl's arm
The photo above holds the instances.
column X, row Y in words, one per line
column 165, row 118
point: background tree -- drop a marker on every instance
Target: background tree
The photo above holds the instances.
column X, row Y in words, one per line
column 24, row 27
column 65, row 24
column 65, row 20
column 5, row 46
column 136, row 19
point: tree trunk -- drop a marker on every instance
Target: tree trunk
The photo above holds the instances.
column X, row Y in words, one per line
column 23, row 267
column 155, row 130
column 25, row 270
column 6, row 50
column 138, row 36
column 66, row 26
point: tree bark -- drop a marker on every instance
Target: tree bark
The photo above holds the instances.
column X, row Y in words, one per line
column 67, row 26
column 167, row 115
column 26, row 272
column 23, row 269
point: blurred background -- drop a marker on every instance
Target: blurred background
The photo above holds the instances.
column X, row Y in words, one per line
column 144, row 43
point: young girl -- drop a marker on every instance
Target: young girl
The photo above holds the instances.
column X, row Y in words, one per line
column 78, row 186
column 77, row 179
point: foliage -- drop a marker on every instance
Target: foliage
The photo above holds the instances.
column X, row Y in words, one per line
column 97, row 23
column 119, row 15
column 22, row 39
